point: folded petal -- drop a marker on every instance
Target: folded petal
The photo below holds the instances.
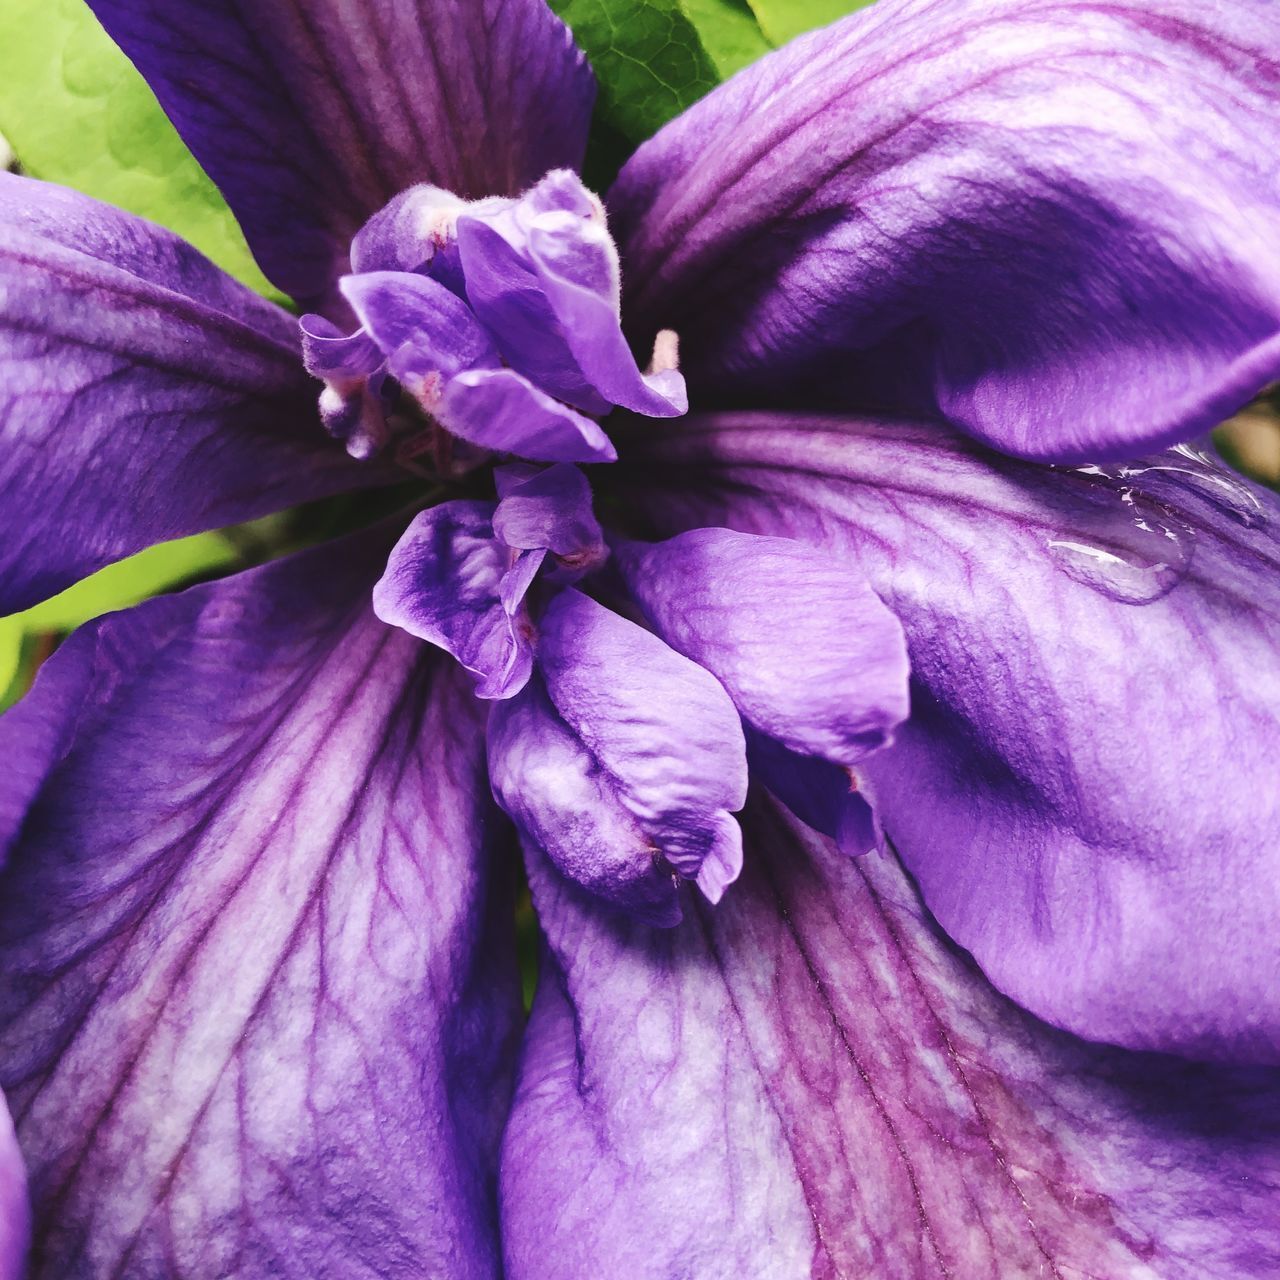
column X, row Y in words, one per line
column 257, row 1005
column 421, row 328
column 443, row 583
column 660, row 726
column 1084, row 787
column 15, row 1212
column 569, row 808
column 500, row 409
column 342, row 358
column 821, row 794
column 808, row 1080
column 311, row 119
column 549, row 508
column 542, row 273
column 407, row 233
column 806, row 650
column 1051, row 226
column 144, row 395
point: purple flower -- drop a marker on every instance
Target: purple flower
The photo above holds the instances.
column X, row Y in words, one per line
column 939, row 275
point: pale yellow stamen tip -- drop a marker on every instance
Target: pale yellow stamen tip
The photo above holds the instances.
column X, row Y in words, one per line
column 666, row 352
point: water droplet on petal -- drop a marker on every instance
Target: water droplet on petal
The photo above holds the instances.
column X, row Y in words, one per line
column 1114, row 575
column 1213, row 481
column 1189, row 466
column 1134, row 553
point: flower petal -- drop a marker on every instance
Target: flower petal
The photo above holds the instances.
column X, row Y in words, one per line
column 542, row 273
column 821, row 794
column 130, row 365
column 257, row 1003
column 568, row 807
column 1085, row 780
column 418, row 325
column 407, row 233
column 662, row 727
column 500, row 409
column 549, row 508
column 443, row 583
column 808, row 1080
column 1052, row 226
column 806, row 650
column 310, row 119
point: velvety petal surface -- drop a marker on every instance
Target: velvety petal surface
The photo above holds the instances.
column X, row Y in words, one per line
column 144, row 394
column 805, row 648
column 502, row 410
column 257, row 997
column 407, row 233
column 1085, row 787
column 808, row 1080
column 660, row 726
column 312, row 117
column 421, row 327
column 1052, row 226
column 443, row 584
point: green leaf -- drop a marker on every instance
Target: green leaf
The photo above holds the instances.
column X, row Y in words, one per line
column 650, row 64
column 729, row 33
column 76, row 112
column 129, row 581
column 654, row 58
column 782, row 20
column 10, row 655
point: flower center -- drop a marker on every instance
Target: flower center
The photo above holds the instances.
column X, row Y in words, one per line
column 620, row 702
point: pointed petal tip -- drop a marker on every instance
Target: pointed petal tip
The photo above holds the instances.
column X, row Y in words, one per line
column 723, row 864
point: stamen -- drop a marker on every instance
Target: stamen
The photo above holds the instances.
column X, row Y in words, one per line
column 666, row 352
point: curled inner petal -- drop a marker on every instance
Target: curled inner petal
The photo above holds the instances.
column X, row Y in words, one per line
column 662, row 727
column 444, row 583
column 551, row 509
column 567, row 805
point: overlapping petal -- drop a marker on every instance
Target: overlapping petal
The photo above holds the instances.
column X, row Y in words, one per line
column 820, row 793
column 1084, row 788
column 660, row 726
column 572, row 810
column 144, row 395
column 549, row 508
column 311, row 118
column 808, row 1080
column 542, row 273
column 1052, row 226
column 419, row 326
column 444, row 357
column 502, row 410
column 808, row 653
column 258, row 998
column 444, row 583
